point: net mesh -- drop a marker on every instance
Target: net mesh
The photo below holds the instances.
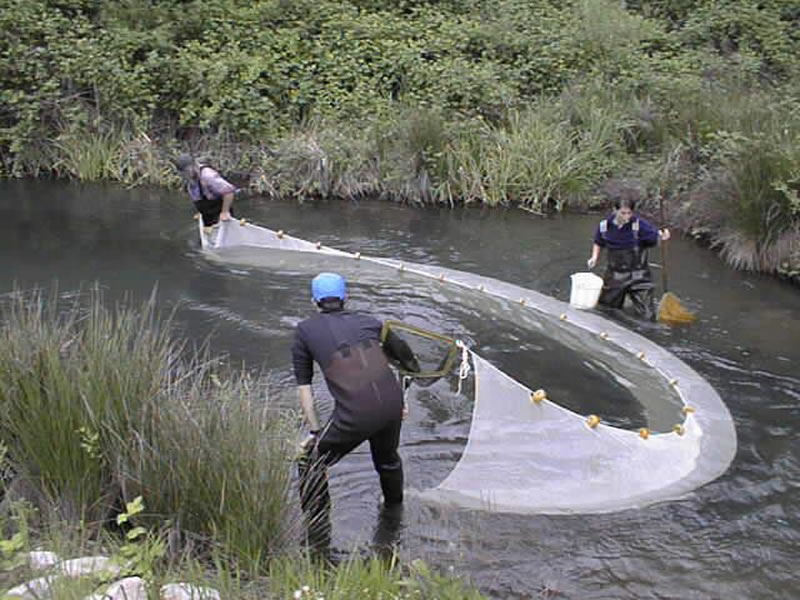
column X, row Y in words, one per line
column 434, row 353
column 528, row 454
column 672, row 311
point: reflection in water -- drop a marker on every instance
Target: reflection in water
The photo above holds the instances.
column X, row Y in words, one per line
column 736, row 537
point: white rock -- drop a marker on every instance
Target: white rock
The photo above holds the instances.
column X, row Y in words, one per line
column 130, row 588
column 35, row 589
column 89, row 565
column 187, row 591
column 40, row 559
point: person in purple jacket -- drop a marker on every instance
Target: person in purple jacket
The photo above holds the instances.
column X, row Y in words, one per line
column 626, row 237
column 211, row 195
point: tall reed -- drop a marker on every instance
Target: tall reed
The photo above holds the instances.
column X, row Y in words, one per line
column 537, row 158
column 101, row 405
column 89, row 153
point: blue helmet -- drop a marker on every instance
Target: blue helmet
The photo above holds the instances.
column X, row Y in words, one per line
column 328, row 285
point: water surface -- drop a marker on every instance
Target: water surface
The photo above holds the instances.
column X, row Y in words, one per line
column 737, row 537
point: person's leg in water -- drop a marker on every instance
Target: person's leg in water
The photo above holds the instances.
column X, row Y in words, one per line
column 387, row 530
column 643, row 299
column 315, row 497
column 383, row 447
column 614, row 287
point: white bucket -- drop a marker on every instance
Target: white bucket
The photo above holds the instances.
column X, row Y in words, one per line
column 585, row 290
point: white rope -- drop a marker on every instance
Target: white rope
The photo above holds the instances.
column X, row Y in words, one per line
column 464, row 369
column 407, row 379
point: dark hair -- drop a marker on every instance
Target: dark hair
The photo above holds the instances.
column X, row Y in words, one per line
column 331, row 303
column 625, row 203
column 184, row 161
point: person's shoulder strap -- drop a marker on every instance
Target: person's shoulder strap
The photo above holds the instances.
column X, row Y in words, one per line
column 200, row 170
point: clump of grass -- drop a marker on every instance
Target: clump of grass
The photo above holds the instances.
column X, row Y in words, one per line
column 742, row 145
column 141, row 161
column 102, row 150
column 288, row 577
column 89, row 153
column 217, row 464
column 537, row 159
column 45, row 420
column 754, row 188
column 321, row 162
column 359, row 578
column 396, row 156
column 409, row 147
column 101, row 405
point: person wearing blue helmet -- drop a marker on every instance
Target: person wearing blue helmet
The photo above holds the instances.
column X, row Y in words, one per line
column 368, row 399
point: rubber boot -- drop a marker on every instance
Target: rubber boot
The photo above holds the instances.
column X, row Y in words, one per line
column 392, row 483
column 387, row 531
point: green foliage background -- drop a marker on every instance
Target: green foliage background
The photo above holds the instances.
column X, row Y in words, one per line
column 531, row 102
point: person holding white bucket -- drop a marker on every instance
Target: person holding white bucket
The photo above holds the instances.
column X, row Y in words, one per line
column 626, row 236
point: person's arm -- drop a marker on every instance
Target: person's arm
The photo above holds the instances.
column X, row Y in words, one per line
column 306, row 399
column 592, row 262
column 219, row 186
column 227, row 202
column 597, row 245
column 648, row 234
column 303, row 364
column 399, row 351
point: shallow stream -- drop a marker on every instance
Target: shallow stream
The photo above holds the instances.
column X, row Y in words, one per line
column 737, row 537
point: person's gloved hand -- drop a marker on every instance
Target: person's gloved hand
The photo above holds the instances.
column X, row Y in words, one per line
column 664, row 234
column 592, row 262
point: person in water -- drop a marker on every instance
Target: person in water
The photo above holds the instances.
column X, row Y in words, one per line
column 626, row 236
column 211, row 194
column 368, row 399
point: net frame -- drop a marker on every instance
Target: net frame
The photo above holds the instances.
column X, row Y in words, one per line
column 445, row 365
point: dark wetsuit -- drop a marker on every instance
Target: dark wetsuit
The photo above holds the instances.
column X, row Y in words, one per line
column 627, row 272
column 368, row 403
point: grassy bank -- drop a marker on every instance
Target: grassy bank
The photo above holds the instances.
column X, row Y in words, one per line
column 538, row 104
column 117, row 440
column 138, row 416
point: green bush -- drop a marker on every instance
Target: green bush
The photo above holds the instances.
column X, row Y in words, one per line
column 502, row 102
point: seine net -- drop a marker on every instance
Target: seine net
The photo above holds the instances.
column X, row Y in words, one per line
column 526, row 453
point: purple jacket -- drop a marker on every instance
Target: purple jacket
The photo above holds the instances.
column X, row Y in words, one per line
column 636, row 232
column 210, row 186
